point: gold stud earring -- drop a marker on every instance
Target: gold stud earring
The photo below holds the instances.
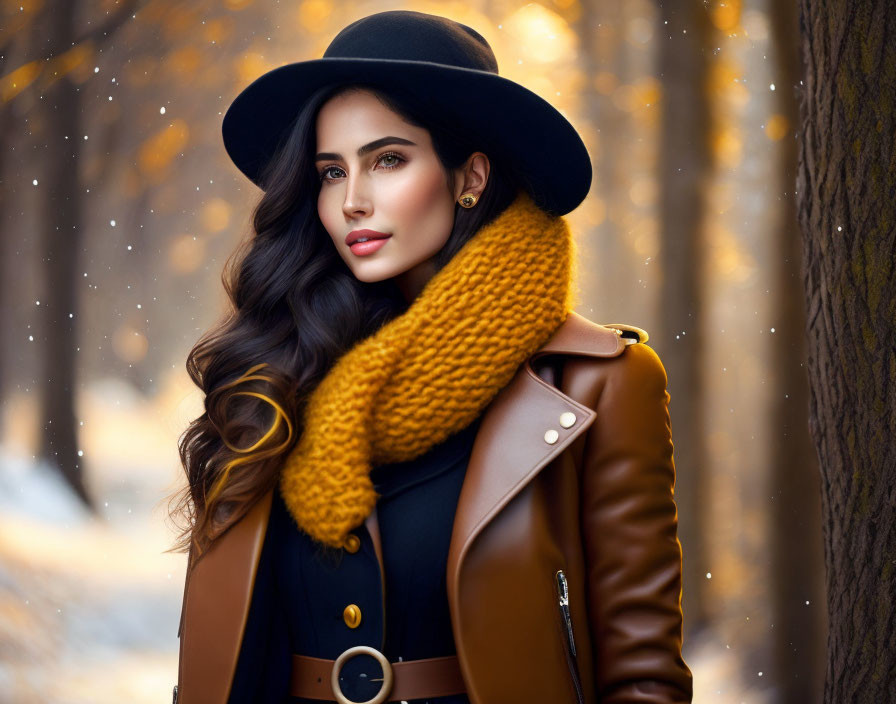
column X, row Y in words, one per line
column 468, row 200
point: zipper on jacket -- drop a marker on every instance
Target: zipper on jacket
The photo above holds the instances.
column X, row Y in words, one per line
column 563, row 602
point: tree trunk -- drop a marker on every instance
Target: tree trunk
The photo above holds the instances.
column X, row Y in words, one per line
column 62, row 237
column 847, row 213
column 7, row 256
column 685, row 163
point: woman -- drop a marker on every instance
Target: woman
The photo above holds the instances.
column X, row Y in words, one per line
column 421, row 476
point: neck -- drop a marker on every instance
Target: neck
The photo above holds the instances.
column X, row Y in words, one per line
column 412, row 281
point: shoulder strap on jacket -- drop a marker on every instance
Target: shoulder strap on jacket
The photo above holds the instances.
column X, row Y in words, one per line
column 581, row 336
column 630, row 333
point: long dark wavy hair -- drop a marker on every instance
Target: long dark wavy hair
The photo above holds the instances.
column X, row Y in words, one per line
column 296, row 307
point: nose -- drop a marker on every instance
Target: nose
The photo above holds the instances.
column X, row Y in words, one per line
column 356, row 201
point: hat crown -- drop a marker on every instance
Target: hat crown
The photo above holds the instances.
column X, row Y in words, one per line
column 407, row 35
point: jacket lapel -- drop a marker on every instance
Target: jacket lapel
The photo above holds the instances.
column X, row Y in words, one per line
column 214, row 613
column 515, row 441
column 521, row 432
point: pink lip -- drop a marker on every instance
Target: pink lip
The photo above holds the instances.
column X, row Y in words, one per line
column 369, row 247
column 357, row 234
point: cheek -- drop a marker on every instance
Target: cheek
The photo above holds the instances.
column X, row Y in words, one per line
column 421, row 194
column 424, row 207
column 329, row 210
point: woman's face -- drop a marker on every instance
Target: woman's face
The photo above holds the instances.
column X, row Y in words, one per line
column 380, row 173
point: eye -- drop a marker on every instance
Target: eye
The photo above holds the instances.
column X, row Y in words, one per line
column 324, row 172
column 398, row 159
column 391, row 155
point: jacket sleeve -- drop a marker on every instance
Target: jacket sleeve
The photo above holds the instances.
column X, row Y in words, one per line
column 632, row 552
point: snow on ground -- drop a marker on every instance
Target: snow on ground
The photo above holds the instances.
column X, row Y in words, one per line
column 90, row 604
column 88, row 611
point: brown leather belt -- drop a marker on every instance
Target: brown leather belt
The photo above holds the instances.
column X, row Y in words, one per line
column 317, row 678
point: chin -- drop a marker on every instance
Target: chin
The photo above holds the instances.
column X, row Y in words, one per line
column 370, row 274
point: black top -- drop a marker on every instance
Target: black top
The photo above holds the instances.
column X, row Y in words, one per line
column 300, row 592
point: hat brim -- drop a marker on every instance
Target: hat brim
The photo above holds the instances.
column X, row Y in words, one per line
column 529, row 134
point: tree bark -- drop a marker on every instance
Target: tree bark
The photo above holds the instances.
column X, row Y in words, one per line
column 847, row 214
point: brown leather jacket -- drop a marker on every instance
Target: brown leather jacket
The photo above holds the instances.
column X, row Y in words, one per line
column 571, row 471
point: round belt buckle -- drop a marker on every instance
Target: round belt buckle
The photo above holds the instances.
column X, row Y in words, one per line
column 386, row 687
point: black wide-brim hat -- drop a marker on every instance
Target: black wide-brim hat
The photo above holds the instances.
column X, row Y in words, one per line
column 448, row 64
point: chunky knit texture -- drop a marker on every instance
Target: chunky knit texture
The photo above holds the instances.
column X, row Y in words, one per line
column 430, row 372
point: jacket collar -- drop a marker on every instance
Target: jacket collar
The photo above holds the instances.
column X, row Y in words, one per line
column 520, row 433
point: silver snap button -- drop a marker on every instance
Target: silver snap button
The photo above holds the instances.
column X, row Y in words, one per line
column 550, row 437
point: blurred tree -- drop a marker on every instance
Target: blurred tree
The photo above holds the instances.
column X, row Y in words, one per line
column 18, row 33
column 62, row 233
column 7, row 250
column 685, row 162
column 797, row 567
column 51, row 61
column 847, row 212
column 602, row 57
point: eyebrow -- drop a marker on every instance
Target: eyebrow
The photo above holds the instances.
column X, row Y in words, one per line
column 376, row 144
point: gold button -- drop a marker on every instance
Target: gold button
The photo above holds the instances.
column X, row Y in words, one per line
column 352, row 543
column 352, row 615
column 567, row 419
column 550, row 437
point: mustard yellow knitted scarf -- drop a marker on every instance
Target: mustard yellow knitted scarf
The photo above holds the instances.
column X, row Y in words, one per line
column 431, row 371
